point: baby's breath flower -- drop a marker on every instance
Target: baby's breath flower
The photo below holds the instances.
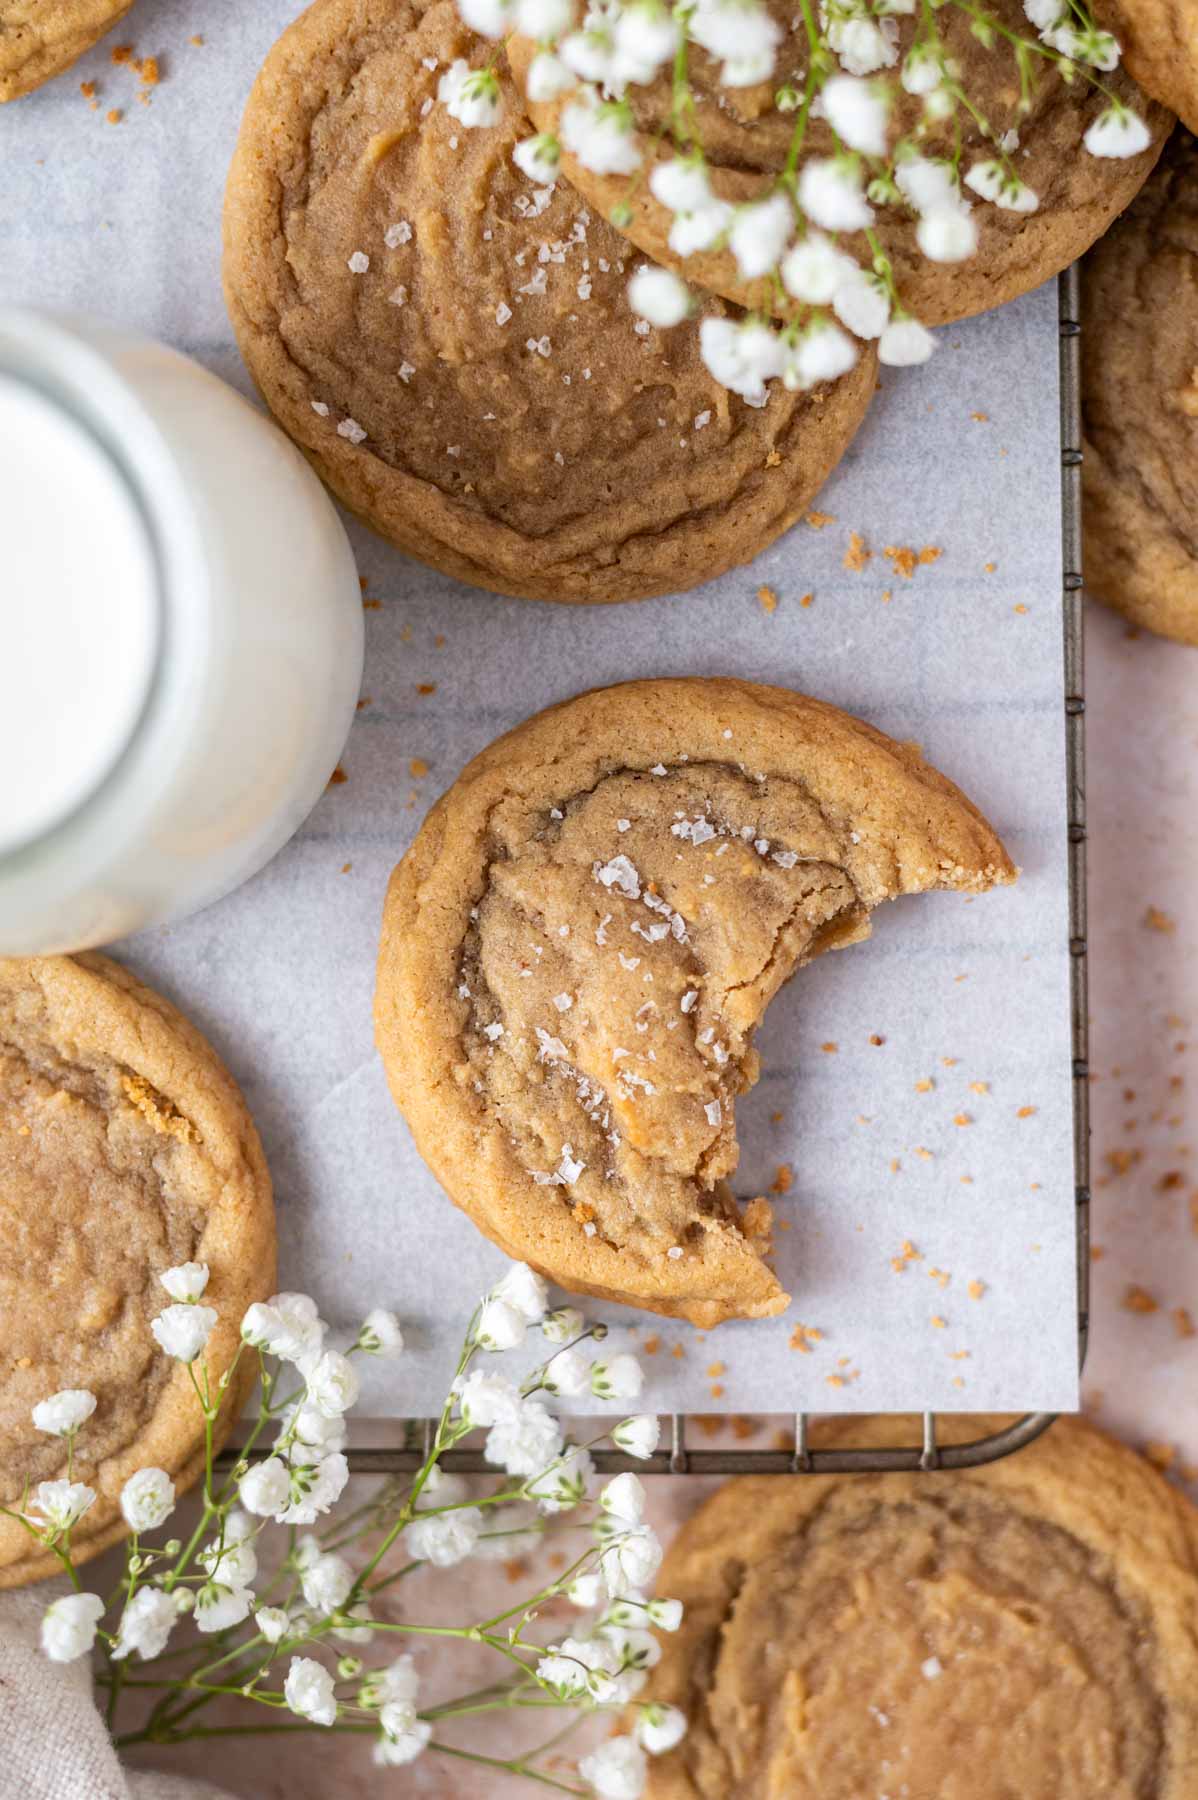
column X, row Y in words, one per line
column 862, row 44
column 926, row 183
column 148, row 1499
column 569, row 1373
column 996, row 183
column 760, row 233
column 578, row 1666
column 484, row 1399
column 681, row 183
column 470, row 95
column 618, row 1378
column 659, row 296
column 380, row 1334
column 288, row 1326
column 524, row 1290
column 333, row 1384
column 822, row 353
column 562, row 1486
column 315, row 1487
column 617, row 1770
column 625, row 1497
column 308, row 1691
column 742, row 355
column 547, row 77
column 665, row 1614
column 923, row 69
column 630, row 1559
column 600, row 136
column 524, row 1441
column 500, row 1326
column 60, row 1504
column 146, row 1623
column 327, row 1583
column 404, row 1736
column 235, row 1561
column 540, row 158
column 862, row 302
column 186, row 1281
column 265, row 1486
column 830, row 194
column 183, row 1329
column 857, row 112
column 63, row 1413
column 904, row 343
column 69, row 1626
column 355, row 1626
column 589, row 52
column 1117, row 132
column 444, row 1538
column 813, row 269
column 544, row 20
column 637, row 1436
column 947, row 234
column 490, row 18
column 645, row 36
column 742, row 33
column 659, row 1728
column 218, row 1606
column 584, row 1591
column 399, row 1681
column 306, row 1433
column 560, row 1326
column 272, row 1622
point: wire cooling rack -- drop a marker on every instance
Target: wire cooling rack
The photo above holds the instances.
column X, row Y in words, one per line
column 678, row 1456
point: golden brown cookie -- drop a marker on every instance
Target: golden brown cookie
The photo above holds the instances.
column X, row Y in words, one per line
column 125, row 1149
column 1160, row 47
column 479, row 390
column 40, row 38
column 1026, row 1628
column 746, row 142
column 1140, row 403
column 580, row 943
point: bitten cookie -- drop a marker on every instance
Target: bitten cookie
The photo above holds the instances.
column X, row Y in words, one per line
column 1140, row 403
column 1160, row 47
column 125, row 1149
column 746, row 141
column 1026, row 1628
column 580, row 943
column 452, row 346
column 41, row 38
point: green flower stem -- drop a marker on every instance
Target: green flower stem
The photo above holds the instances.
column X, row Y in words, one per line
column 521, row 1766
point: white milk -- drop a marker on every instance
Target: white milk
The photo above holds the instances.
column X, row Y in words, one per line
column 78, row 614
column 181, row 635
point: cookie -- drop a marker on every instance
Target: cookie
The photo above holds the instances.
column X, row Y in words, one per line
column 1140, row 403
column 41, row 38
column 746, row 141
column 125, row 1149
column 452, row 346
column 1160, row 47
column 583, row 937
column 1026, row 1628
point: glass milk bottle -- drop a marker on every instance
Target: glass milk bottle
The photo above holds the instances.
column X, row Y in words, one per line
column 180, row 635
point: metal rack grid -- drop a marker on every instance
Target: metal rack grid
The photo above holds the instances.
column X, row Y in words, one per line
column 678, row 1457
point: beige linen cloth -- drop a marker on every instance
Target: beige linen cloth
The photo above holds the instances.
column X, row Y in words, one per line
column 53, row 1745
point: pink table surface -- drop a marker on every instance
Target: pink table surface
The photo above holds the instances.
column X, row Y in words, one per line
column 1142, row 709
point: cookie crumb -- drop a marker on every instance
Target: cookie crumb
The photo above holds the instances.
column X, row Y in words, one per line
column 817, row 520
column 783, row 1179
column 1138, row 1300
column 1156, row 920
column 768, row 599
column 417, row 768
column 976, row 1289
column 338, row 776
column 857, row 557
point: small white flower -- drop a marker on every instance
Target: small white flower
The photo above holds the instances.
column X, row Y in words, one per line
column 619, row 1378
column 630, row 1560
column 265, row 1486
column 584, row 1591
column 814, row 268
column 218, row 1607
column 63, row 1413
column 922, row 69
column 69, row 1626
column 862, row 303
column 60, row 1504
column 186, row 1281
column 644, row 37
column 399, row 1681
column 490, row 18
column 524, row 1442
column 146, row 1624
column 993, row 182
column 544, row 20
column 308, row 1691
column 659, row 1728
column 625, row 1497
column 857, row 111
column 560, row 1326
column 579, row 1666
column 547, row 77
column 148, row 1499
column 589, row 52
column 822, row 353
column 759, row 234
column 617, row 1770
column 272, row 1622
column 1044, row 14
column 743, row 356
column 601, row 137
column 315, row 1487
column 947, row 234
column 569, row 1373
column 681, row 184
column 830, row 194
column 564, row 1485
column 540, row 158
column 444, row 1538
column 526, row 1291
column 470, row 95
column 665, row 1614
column 637, row 1436
column 326, row 1583
column 288, row 1326
column 904, row 343
column 659, row 296
column 926, row 183
column 404, row 1736
column 484, row 1399
column 380, row 1334
column 500, row 1326
column 333, row 1385
column 743, row 33
column 864, row 45
column 1117, row 132
column 304, row 1429
column 182, row 1330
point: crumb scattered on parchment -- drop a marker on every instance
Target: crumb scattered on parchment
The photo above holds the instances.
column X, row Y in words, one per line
column 716, row 1369
column 817, row 520
column 114, row 115
column 346, row 867
column 1156, row 920
column 1183, row 1323
column 962, row 1118
column 677, row 1351
column 939, row 1323
column 857, row 556
column 923, row 1153
column 940, row 1276
column 1024, row 1112
column 651, row 1345
column 783, row 1179
column 803, row 1336
column 426, row 688
column 924, row 1085
column 1161, row 1456
column 876, row 1040
column 1019, row 607
column 989, row 568
column 122, row 53
column 979, row 1087
column 905, row 559
column 976, row 1289
column 768, row 599
column 1138, row 1300
column 908, row 1254
column 338, row 776
column 830, row 1048
column 417, row 768
column 807, row 600
column 981, row 417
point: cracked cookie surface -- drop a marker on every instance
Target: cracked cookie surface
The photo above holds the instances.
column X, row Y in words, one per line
column 125, row 1149
column 40, row 38
column 453, row 349
column 579, row 945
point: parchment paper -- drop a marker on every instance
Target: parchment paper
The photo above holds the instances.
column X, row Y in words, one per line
column 953, row 1135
